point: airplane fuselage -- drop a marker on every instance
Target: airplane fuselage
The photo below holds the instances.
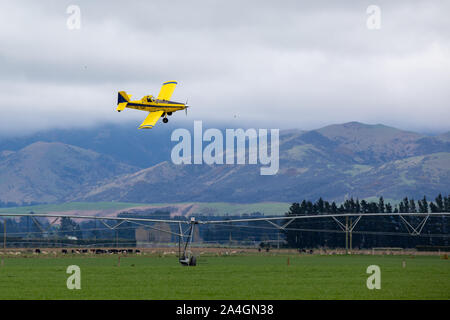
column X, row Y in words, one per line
column 156, row 105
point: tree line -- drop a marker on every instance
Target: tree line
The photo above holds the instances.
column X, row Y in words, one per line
column 371, row 231
column 441, row 204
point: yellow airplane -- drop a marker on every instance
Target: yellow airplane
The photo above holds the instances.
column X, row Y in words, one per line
column 160, row 107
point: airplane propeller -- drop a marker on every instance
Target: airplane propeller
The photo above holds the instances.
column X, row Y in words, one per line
column 186, row 107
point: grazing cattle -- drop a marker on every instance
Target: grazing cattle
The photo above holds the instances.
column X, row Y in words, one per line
column 130, row 251
column 137, row 251
column 84, row 251
column 64, row 251
column 37, row 251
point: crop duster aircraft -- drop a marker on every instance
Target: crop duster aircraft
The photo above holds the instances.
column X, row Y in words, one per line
column 161, row 107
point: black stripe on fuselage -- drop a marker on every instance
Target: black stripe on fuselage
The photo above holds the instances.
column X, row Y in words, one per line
column 168, row 102
column 177, row 104
column 146, row 107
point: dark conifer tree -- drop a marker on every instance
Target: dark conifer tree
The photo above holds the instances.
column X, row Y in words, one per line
column 424, row 208
column 447, row 203
column 320, row 205
column 439, row 203
column 388, row 208
column 364, row 208
column 406, row 205
column 327, row 207
column 357, row 206
column 381, row 207
column 334, row 208
column 303, row 207
column 294, row 209
column 434, row 208
column 412, row 206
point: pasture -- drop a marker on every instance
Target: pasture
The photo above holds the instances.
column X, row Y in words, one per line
column 248, row 276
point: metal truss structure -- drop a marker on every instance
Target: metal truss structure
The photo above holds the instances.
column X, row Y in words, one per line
column 185, row 237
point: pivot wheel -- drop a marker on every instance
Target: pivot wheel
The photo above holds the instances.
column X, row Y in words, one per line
column 193, row 261
column 165, row 120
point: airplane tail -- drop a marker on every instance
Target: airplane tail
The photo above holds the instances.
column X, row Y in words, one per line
column 122, row 100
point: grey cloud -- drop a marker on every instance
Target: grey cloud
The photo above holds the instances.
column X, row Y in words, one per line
column 262, row 63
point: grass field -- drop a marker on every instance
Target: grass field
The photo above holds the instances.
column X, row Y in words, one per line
column 217, row 208
column 225, row 277
column 70, row 206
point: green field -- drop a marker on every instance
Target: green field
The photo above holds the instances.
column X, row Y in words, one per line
column 217, row 208
column 69, row 206
column 225, row 277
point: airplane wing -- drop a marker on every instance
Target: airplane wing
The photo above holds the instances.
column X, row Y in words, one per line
column 151, row 120
column 167, row 90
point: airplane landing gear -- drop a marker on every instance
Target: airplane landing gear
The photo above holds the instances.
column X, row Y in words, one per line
column 165, row 120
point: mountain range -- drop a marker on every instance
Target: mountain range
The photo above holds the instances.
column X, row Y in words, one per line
column 120, row 163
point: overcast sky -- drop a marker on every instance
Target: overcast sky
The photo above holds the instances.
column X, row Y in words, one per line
column 263, row 64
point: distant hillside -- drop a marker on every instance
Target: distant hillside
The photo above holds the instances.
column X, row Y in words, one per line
column 49, row 172
column 125, row 143
column 373, row 143
column 334, row 162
